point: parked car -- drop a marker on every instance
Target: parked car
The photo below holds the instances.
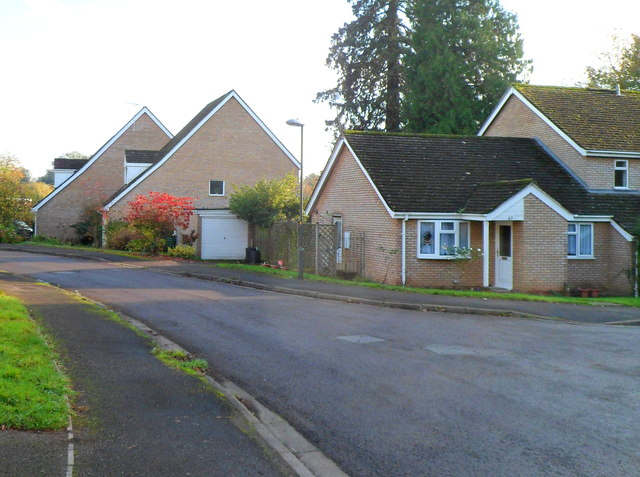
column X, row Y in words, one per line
column 23, row 229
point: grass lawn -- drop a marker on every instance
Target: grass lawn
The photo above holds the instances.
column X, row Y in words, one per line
column 624, row 301
column 32, row 390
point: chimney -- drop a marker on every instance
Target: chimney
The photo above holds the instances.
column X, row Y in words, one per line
column 618, row 93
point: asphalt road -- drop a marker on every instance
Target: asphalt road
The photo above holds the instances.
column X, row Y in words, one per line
column 392, row 392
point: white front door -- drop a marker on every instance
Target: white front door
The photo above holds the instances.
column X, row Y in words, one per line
column 504, row 256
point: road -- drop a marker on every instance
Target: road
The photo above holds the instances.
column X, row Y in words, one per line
column 392, row 392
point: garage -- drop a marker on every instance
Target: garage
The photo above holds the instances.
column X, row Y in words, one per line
column 223, row 236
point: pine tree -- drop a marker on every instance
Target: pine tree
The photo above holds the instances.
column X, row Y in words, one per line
column 464, row 55
column 367, row 53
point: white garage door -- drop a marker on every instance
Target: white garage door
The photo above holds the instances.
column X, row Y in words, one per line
column 224, row 238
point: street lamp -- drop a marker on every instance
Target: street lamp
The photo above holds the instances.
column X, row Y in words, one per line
column 298, row 124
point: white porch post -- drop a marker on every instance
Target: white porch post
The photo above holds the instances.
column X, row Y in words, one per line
column 485, row 253
column 403, row 276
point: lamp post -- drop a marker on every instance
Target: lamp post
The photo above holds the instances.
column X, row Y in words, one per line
column 298, row 124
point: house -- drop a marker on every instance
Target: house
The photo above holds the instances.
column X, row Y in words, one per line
column 224, row 146
column 545, row 203
column 85, row 184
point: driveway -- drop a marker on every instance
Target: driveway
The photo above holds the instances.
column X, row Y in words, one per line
column 394, row 392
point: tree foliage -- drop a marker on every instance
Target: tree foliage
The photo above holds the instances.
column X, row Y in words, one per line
column 160, row 212
column 17, row 194
column 465, row 54
column 367, row 55
column 425, row 65
column 621, row 66
column 267, row 202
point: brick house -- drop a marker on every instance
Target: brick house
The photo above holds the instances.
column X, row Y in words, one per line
column 550, row 201
column 83, row 184
column 224, row 146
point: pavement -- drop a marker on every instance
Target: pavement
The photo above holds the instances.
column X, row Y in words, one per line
column 601, row 313
column 132, row 414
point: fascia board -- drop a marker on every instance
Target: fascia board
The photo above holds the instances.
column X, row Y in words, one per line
column 166, row 157
column 366, row 174
column 537, row 192
column 336, row 152
column 613, row 154
column 232, row 94
column 323, row 177
column 549, row 123
column 496, row 110
column 265, row 128
column 100, row 152
column 438, row 215
column 626, row 235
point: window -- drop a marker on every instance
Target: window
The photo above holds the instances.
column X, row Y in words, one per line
column 216, row 187
column 580, row 240
column 621, row 174
column 439, row 238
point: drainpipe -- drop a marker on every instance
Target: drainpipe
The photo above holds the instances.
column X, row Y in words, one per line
column 485, row 253
column 404, row 250
column 635, row 284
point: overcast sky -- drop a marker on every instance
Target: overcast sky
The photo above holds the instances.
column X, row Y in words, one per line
column 75, row 71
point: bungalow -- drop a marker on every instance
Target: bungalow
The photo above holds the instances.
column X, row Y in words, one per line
column 530, row 219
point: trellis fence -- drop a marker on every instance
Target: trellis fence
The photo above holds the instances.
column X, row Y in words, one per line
column 322, row 254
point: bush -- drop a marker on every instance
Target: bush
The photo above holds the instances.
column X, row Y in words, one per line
column 146, row 242
column 119, row 234
column 8, row 234
column 182, row 251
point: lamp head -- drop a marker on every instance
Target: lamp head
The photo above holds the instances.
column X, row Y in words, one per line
column 295, row 122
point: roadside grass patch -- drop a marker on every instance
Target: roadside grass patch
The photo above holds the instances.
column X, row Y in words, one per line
column 182, row 361
column 54, row 243
column 623, row 301
column 33, row 391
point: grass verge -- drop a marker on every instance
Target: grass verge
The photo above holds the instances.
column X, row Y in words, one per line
column 32, row 390
column 57, row 244
column 182, row 361
column 624, row 301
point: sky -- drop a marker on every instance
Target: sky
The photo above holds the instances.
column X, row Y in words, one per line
column 75, row 71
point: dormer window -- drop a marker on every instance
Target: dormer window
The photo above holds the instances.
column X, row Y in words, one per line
column 621, row 174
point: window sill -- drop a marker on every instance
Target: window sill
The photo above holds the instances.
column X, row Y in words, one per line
column 216, row 195
column 434, row 257
column 586, row 257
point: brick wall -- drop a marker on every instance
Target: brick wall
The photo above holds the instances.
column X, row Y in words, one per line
column 348, row 193
column 98, row 182
column 440, row 273
column 230, row 146
column 517, row 120
column 609, row 270
column 540, row 249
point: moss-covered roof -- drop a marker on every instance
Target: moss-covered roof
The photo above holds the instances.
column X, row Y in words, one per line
column 596, row 119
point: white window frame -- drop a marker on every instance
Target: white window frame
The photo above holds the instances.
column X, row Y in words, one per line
column 223, row 188
column 621, row 165
column 576, row 233
column 437, row 227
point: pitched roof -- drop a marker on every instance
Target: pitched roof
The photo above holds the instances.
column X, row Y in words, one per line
column 66, row 163
column 596, row 119
column 100, row 152
column 473, row 174
column 140, row 156
column 185, row 133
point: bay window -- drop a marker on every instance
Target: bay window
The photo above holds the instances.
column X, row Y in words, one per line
column 441, row 238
